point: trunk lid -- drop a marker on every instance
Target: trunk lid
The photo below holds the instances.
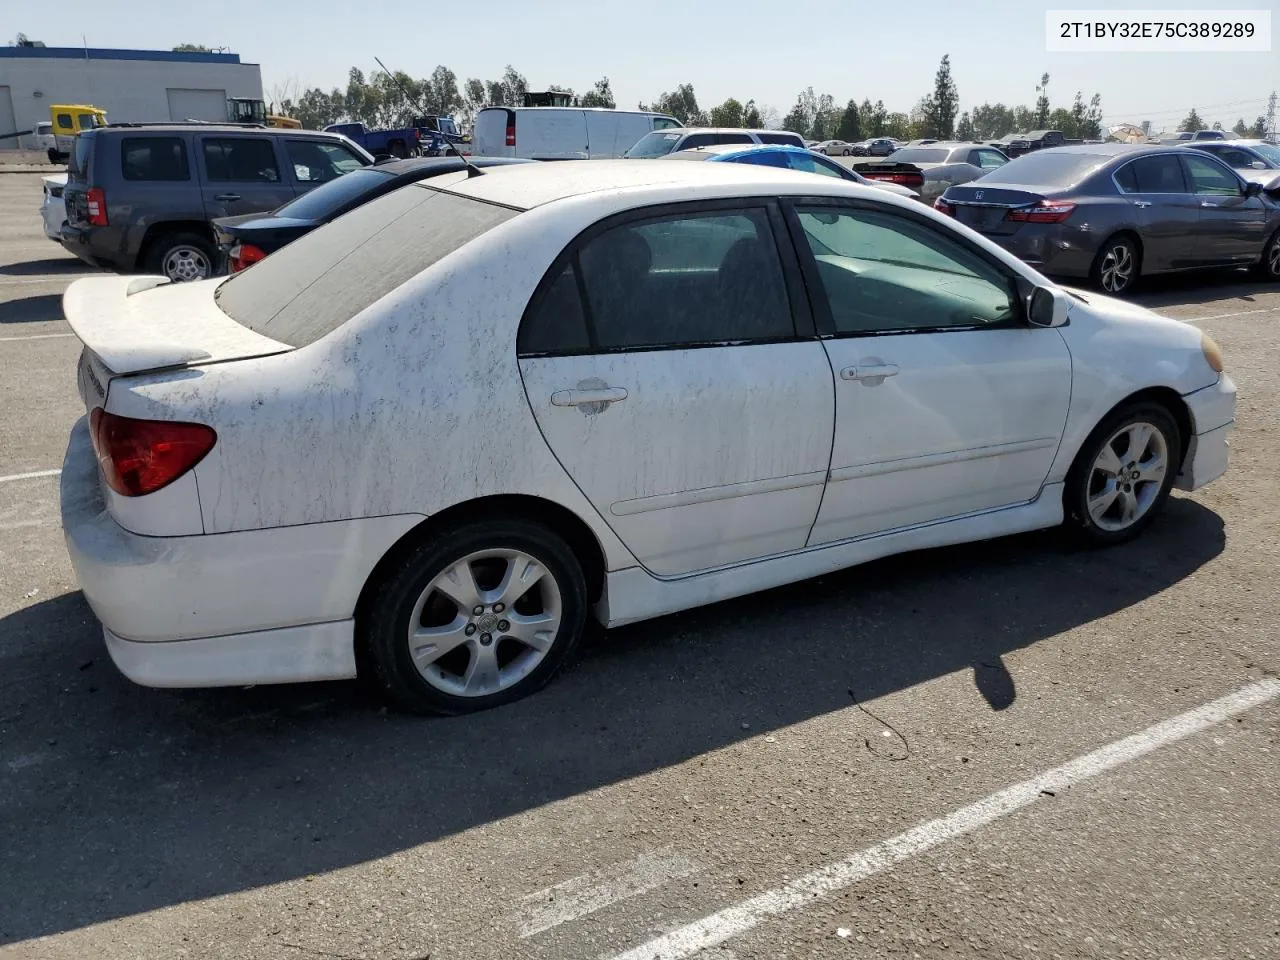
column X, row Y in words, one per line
column 133, row 325
column 907, row 174
column 985, row 208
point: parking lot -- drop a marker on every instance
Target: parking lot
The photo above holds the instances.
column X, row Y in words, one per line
column 1016, row 748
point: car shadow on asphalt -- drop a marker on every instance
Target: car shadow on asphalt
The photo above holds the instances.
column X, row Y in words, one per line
column 31, row 309
column 70, row 266
column 119, row 799
column 1228, row 287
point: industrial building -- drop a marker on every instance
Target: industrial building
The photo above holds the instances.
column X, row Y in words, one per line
column 133, row 86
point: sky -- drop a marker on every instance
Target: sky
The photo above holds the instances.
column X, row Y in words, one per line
column 761, row 49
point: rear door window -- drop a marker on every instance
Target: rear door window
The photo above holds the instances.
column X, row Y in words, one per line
column 154, row 159
column 240, row 160
column 1154, row 174
column 318, row 282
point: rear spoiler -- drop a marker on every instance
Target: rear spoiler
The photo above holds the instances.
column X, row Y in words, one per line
column 871, row 168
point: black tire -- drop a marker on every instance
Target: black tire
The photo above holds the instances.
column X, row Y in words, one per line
column 158, row 256
column 1109, row 266
column 844, row 153
column 1268, row 268
column 384, row 627
column 397, row 149
column 1083, row 481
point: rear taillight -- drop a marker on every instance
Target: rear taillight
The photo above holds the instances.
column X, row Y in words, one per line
column 244, row 255
column 906, row 179
column 1045, row 211
column 511, row 130
column 943, row 207
column 138, row 457
column 96, row 199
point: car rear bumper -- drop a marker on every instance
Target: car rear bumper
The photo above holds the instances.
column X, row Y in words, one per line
column 79, row 240
column 1212, row 417
column 1050, row 249
column 259, row 606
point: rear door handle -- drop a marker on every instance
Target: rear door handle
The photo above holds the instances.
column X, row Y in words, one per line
column 578, row 398
column 1207, row 203
column 1142, row 203
column 227, row 196
column 870, row 373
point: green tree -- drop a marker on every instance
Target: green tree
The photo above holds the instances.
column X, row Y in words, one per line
column 680, row 103
column 898, row 126
column 1241, row 129
column 797, row 121
column 1259, row 129
column 728, row 114
column 1191, row 123
column 600, row 95
column 751, row 118
column 1024, row 119
column 849, row 129
column 965, row 129
column 188, row 48
column 440, row 93
column 873, row 118
column 940, row 108
column 514, row 86
column 1061, row 119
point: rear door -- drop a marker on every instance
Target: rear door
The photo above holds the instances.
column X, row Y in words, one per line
column 241, row 174
column 1232, row 227
column 1166, row 211
column 551, row 133
column 672, row 380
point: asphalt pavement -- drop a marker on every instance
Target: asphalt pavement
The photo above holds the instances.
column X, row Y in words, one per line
column 1011, row 749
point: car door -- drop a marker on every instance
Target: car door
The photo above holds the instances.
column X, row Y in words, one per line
column 241, row 174
column 678, row 387
column 1232, row 226
column 1165, row 211
column 947, row 403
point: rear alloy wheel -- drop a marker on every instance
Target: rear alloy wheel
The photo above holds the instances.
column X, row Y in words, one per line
column 478, row 617
column 1269, row 266
column 844, row 153
column 182, row 257
column 1115, row 269
column 1124, row 473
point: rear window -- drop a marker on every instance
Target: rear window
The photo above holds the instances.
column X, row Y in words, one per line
column 919, row 155
column 81, row 158
column 153, row 158
column 789, row 138
column 656, row 144
column 324, row 200
column 315, row 284
column 1049, row 168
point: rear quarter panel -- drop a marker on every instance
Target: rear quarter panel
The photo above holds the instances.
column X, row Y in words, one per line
column 414, row 406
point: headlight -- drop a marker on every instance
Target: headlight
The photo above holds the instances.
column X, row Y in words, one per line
column 1212, row 352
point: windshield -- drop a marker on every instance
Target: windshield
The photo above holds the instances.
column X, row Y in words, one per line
column 656, row 144
column 326, row 199
column 448, row 126
column 1049, row 168
column 317, row 283
column 919, row 155
column 1268, row 152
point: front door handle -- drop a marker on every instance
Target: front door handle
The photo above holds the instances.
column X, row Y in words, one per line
column 227, row 197
column 870, row 373
column 1142, row 203
column 1207, row 203
column 580, row 397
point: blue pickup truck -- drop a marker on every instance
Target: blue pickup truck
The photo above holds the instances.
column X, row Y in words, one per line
column 425, row 137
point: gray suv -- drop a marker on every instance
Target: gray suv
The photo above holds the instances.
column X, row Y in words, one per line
column 140, row 196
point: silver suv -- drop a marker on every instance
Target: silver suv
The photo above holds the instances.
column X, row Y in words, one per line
column 140, row 196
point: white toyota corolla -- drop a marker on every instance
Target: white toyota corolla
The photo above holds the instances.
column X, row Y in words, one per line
column 435, row 436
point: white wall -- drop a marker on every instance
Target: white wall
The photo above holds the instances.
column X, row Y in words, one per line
column 131, row 91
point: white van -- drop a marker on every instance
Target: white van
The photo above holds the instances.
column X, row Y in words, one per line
column 562, row 133
column 41, row 138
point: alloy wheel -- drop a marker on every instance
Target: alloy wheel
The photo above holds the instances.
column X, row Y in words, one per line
column 1127, row 476
column 485, row 622
column 1273, row 259
column 1117, row 268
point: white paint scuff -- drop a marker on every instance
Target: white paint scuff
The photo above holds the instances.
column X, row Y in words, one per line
column 582, row 895
column 736, row 920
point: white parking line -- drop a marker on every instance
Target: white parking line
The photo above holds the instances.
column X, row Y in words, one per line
column 583, row 895
column 1222, row 316
column 35, row 475
column 38, row 336
column 736, row 920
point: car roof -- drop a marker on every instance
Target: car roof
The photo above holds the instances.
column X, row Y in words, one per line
column 1236, row 143
column 729, row 130
column 527, row 186
column 180, row 127
column 719, row 150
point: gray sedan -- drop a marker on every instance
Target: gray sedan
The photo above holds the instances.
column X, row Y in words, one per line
column 1250, row 158
column 1115, row 212
column 932, row 168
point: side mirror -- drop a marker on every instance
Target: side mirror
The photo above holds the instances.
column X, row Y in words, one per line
column 1047, row 308
column 1252, row 188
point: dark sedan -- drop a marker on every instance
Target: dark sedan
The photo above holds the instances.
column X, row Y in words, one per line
column 246, row 239
column 1113, row 213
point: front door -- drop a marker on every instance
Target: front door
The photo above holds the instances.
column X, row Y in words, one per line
column 946, row 402
column 1232, row 227
column 241, row 175
column 666, row 371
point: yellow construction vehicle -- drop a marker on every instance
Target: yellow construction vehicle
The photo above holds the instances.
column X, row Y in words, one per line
column 248, row 110
column 69, row 119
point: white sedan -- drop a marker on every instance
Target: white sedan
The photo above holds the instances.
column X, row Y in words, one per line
column 53, row 209
column 435, row 436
